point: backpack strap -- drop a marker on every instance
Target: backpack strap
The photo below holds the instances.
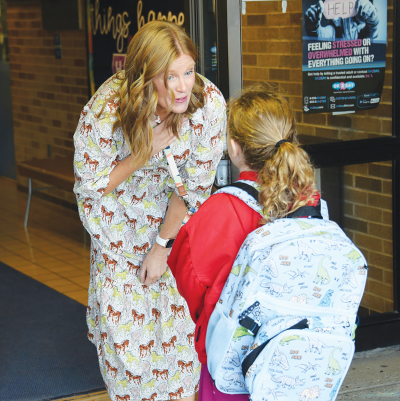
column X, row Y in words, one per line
column 309, row 211
column 249, row 360
column 304, row 211
column 246, row 187
column 246, row 191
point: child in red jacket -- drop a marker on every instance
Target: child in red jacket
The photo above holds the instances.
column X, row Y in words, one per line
column 262, row 143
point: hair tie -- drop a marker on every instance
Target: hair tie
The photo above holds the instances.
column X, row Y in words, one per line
column 280, row 142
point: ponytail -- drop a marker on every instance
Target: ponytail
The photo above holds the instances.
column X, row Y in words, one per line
column 262, row 122
column 287, row 181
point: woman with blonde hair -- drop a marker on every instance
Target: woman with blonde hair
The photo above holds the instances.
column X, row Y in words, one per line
column 262, row 143
column 146, row 150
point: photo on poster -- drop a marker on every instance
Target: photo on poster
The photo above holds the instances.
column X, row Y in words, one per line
column 344, row 54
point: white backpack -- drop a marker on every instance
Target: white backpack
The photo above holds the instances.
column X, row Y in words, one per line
column 284, row 322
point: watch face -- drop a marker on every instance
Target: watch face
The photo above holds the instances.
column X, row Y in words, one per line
column 169, row 243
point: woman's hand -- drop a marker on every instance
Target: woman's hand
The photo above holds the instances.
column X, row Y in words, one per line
column 154, row 265
column 162, row 137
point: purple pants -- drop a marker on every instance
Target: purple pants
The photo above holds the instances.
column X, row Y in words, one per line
column 208, row 391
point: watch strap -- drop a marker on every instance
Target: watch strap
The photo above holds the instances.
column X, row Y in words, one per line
column 165, row 243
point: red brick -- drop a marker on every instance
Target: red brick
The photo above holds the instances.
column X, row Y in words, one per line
column 256, row 20
column 387, row 217
column 381, row 260
column 368, row 213
column 79, row 63
column 375, row 273
column 351, row 135
column 359, row 169
column 249, row 59
column 349, row 209
column 296, row 47
column 383, row 110
column 389, row 306
column 256, row 47
column 295, row 19
column 267, row 60
column 290, row 61
column 279, row 75
column 371, row 300
column 380, row 230
column 387, row 187
column 256, row 74
column 290, row 33
column 356, row 225
column 381, row 171
column 370, row 184
column 317, row 119
column 296, row 75
column 278, row 47
column 278, row 20
column 388, row 247
column 381, row 201
column 339, row 121
column 367, row 124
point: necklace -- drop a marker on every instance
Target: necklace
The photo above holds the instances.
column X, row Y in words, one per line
column 157, row 120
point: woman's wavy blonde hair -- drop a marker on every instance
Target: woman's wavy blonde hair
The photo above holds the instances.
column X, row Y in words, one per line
column 257, row 120
column 150, row 53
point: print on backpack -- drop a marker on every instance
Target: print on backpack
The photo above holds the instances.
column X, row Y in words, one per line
column 284, row 320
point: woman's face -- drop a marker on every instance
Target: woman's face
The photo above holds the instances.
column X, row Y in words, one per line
column 181, row 77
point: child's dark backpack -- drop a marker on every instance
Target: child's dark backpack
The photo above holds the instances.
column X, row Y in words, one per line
column 284, row 322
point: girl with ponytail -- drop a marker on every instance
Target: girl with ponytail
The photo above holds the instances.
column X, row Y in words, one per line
column 262, row 143
column 146, row 151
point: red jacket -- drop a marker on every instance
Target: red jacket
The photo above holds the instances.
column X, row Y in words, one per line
column 204, row 251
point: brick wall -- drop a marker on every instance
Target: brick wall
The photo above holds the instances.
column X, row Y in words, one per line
column 368, row 222
column 272, row 52
column 47, row 93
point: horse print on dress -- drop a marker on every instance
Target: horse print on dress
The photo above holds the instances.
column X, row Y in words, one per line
column 197, row 129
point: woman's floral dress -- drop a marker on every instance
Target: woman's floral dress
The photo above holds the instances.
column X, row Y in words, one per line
column 143, row 334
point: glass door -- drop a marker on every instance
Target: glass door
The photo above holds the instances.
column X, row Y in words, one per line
column 201, row 25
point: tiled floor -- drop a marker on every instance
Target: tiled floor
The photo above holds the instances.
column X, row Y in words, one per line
column 51, row 249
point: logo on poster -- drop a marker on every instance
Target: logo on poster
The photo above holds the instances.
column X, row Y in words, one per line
column 344, row 85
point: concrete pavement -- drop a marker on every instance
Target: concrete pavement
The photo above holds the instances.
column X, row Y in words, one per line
column 373, row 375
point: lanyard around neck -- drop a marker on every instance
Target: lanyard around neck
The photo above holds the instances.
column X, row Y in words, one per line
column 173, row 170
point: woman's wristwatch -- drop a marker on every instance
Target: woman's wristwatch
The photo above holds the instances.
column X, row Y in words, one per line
column 165, row 243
